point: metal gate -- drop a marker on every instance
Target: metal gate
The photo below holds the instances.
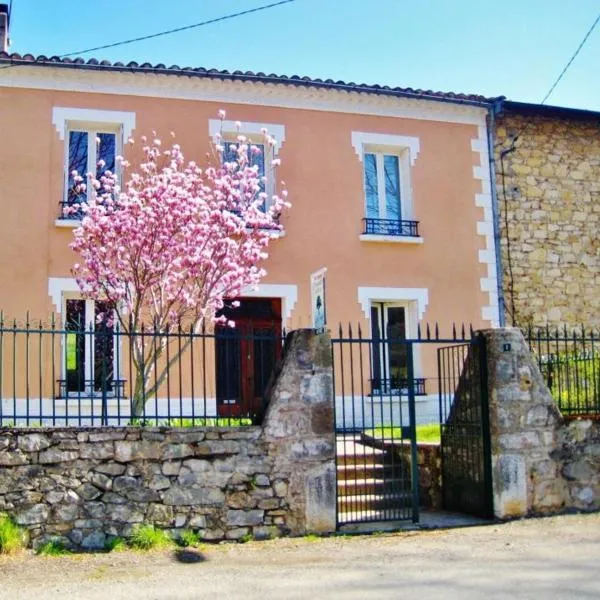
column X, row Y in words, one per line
column 464, row 424
column 375, row 430
column 385, row 386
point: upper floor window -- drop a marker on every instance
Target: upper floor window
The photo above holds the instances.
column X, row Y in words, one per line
column 229, row 130
column 388, row 202
column 93, row 139
column 89, row 151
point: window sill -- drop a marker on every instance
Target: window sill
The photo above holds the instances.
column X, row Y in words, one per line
column 275, row 235
column 393, row 239
column 67, row 223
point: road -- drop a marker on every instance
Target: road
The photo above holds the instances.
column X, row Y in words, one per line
column 556, row 557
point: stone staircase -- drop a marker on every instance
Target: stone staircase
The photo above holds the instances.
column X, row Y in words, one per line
column 370, row 485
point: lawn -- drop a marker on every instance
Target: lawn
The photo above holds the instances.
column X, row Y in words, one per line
column 429, row 432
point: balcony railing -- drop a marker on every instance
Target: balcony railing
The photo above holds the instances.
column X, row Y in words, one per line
column 397, row 386
column 391, row 227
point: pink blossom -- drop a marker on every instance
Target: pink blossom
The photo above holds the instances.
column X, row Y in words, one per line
column 173, row 244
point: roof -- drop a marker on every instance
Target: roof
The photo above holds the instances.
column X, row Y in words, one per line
column 550, row 111
column 175, row 70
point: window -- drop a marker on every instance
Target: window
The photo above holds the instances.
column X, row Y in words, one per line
column 390, row 354
column 387, row 161
column 88, row 151
column 91, row 138
column 89, row 349
column 229, row 130
column 230, row 155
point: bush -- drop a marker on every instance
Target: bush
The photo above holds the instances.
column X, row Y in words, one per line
column 12, row 538
column 147, row 537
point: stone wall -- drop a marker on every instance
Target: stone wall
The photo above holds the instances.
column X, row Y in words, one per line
column 84, row 485
column 550, row 212
column 541, row 464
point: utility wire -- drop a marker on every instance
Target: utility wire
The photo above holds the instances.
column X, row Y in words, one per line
column 171, row 31
column 512, row 148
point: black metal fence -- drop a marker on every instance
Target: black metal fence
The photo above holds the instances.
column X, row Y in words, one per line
column 103, row 375
column 570, row 365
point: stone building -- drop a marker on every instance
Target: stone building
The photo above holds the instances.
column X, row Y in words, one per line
column 548, row 189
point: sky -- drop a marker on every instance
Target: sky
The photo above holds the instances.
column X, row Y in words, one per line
column 514, row 48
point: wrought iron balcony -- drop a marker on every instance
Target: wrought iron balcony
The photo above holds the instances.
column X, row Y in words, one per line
column 397, row 386
column 392, row 227
column 114, row 388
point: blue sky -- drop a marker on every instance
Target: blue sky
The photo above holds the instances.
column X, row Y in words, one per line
column 515, row 48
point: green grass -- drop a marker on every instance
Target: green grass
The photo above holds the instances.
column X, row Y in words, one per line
column 12, row 539
column 190, row 539
column 148, row 537
column 207, row 422
column 53, row 548
column 429, row 432
column 247, row 537
column 116, row 544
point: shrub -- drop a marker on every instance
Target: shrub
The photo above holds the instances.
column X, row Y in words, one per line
column 148, row 537
column 11, row 536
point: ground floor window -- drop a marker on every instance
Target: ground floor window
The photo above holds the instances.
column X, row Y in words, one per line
column 88, row 348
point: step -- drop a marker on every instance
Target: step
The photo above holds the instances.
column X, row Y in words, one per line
column 360, row 458
column 399, row 501
column 372, row 487
column 371, row 471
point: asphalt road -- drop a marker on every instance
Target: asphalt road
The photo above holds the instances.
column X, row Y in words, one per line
column 550, row 558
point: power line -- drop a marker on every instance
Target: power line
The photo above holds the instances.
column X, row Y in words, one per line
column 562, row 73
column 171, row 31
column 512, row 148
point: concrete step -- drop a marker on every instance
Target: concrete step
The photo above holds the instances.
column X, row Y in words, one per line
column 399, row 501
column 371, row 471
column 361, row 458
column 372, row 487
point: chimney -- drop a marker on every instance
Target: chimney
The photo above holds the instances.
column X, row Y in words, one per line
column 4, row 23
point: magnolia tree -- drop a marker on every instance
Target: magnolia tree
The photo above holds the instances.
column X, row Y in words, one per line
column 170, row 246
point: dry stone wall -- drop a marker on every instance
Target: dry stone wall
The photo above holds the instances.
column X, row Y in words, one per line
column 86, row 485
column 550, row 218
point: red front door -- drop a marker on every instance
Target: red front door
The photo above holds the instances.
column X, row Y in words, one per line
column 246, row 356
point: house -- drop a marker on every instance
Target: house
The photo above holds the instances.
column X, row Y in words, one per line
column 547, row 164
column 390, row 188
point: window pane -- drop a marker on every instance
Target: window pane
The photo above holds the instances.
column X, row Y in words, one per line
column 230, row 155
column 74, row 349
column 103, row 348
column 377, row 350
column 78, row 161
column 371, row 193
column 105, row 151
column 398, row 352
column 392, row 187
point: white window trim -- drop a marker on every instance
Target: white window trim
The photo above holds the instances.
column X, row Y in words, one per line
column 287, row 292
column 407, row 149
column 68, row 119
column 60, row 289
column 367, row 295
column 62, row 115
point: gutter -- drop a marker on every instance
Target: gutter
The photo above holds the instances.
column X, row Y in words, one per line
column 495, row 109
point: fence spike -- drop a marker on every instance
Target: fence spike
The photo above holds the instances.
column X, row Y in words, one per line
column 462, row 331
column 428, row 331
column 471, row 332
column 340, row 330
column 437, row 331
column 453, row 330
column 418, row 331
column 359, row 332
column 349, row 329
